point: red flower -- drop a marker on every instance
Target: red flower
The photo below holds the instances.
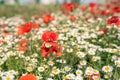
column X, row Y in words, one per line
column 105, row 12
column 92, row 4
column 49, row 44
column 72, row 18
column 113, row 20
column 69, row 6
column 22, row 48
column 49, row 36
column 93, row 75
column 48, row 18
column 26, row 28
column 28, row 77
column 116, row 10
column 23, row 42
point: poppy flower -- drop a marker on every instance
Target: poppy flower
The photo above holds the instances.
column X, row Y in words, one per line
column 105, row 12
column 113, row 20
column 92, row 4
column 72, row 18
column 28, row 77
column 68, row 7
column 50, row 45
column 35, row 26
column 22, row 48
column 23, row 42
column 49, row 36
column 20, row 31
column 116, row 9
column 48, row 18
column 26, row 28
column 93, row 75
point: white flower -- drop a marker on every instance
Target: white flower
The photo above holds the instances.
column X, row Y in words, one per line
column 8, row 77
column 80, row 54
column 78, row 78
column 51, row 63
column 95, row 58
column 91, row 51
column 70, row 50
column 29, row 69
column 70, row 76
column 79, row 72
column 83, row 62
column 49, row 79
column 39, row 77
column 117, row 63
column 67, row 68
column 55, row 71
column 89, row 71
column 41, row 69
column 33, row 60
column 107, row 68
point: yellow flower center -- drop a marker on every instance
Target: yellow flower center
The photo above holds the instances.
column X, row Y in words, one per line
column 107, row 68
column 48, row 45
column 7, row 78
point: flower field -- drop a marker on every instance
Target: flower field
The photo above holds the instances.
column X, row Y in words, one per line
column 75, row 43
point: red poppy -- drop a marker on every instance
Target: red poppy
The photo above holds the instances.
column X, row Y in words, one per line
column 49, row 44
column 20, row 31
column 105, row 12
column 49, row 36
column 113, row 20
column 116, row 9
column 72, row 18
column 91, row 76
column 92, row 4
column 28, row 77
column 22, row 48
column 23, row 42
column 26, row 28
column 35, row 26
column 69, row 6
column 48, row 18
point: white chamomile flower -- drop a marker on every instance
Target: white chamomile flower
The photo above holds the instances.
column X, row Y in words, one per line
column 51, row 63
column 67, row 68
column 107, row 68
column 70, row 76
column 91, row 51
column 79, row 72
column 29, row 69
column 41, row 69
column 56, row 71
column 117, row 63
column 80, row 54
column 83, row 62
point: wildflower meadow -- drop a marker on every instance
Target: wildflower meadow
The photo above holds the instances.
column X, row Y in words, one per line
column 76, row 42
